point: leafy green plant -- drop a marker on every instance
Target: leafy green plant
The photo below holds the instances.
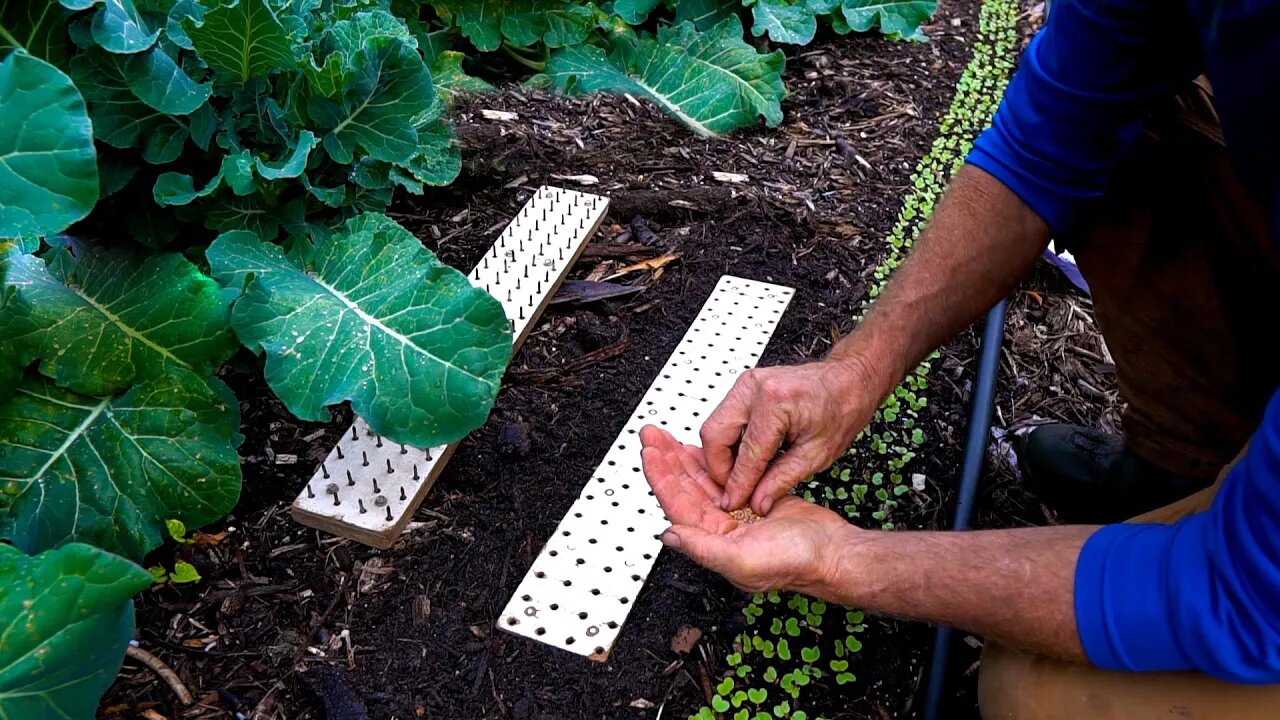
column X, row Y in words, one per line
column 279, row 127
column 68, row 617
column 870, row 479
column 689, row 57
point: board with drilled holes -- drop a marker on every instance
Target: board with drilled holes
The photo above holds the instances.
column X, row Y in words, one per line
column 368, row 488
column 581, row 587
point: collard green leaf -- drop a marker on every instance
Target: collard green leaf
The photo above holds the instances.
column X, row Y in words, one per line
column 451, row 80
column 40, row 28
column 437, row 162
column 156, row 79
column 248, row 213
column 554, row 22
column 119, row 26
column 291, row 166
column 48, row 167
column 120, row 118
column 785, row 21
column 479, row 20
column 164, row 142
column 114, row 172
column 897, row 18
column 101, row 319
column 711, row 81
column 635, row 11
column 111, row 470
column 388, row 89
column 705, row 14
column 173, row 188
column 241, row 40
column 68, row 615
column 174, row 29
column 487, row 23
column 372, row 317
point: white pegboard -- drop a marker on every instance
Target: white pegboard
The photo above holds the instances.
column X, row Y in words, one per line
column 583, row 583
column 368, row 488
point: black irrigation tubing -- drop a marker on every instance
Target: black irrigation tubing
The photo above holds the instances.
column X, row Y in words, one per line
column 975, row 452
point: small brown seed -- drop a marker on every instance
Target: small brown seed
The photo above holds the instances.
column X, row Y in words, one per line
column 745, row 516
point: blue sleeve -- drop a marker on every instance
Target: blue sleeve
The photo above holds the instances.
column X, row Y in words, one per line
column 1201, row 594
column 1078, row 101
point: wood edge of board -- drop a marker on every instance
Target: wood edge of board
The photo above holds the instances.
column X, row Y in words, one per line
column 384, row 539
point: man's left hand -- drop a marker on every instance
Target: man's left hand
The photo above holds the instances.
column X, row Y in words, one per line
column 792, row 548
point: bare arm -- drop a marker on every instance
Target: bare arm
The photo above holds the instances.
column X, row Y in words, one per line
column 1012, row 586
column 1015, row 586
column 982, row 240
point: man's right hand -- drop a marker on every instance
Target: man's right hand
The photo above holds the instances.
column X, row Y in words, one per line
column 817, row 408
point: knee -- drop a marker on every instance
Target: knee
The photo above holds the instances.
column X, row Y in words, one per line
column 1002, row 682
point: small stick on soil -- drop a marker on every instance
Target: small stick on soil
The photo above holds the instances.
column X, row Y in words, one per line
column 165, row 672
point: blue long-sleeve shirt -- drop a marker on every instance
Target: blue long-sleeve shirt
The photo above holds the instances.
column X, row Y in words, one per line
column 1204, row 593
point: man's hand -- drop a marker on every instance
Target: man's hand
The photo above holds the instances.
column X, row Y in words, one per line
column 792, row 548
column 817, row 408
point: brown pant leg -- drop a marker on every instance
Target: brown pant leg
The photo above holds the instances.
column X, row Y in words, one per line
column 1184, row 281
column 1017, row 686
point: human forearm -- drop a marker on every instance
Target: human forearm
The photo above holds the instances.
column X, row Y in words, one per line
column 981, row 242
column 1012, row 586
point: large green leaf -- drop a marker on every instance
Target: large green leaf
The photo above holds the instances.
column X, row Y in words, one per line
column 385, row 90
column 111, row 470
column 635, row 11
column 554, row 22
column 121, row 119
column 67, row 616
column 451, row 80
column 157, row 80
column 48, row 167
column 711, row 81
column 705, row 14
column 369, row 316
column 487, row 23
column 40, row 28
column 100, row 319
column 240, row 40
column 119, row 26
column 786, row 21
column 900, row 18
column 291, row 166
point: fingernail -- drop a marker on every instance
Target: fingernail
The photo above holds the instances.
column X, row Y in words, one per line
column 766, row 506
column 724, row 502
column 671, row 540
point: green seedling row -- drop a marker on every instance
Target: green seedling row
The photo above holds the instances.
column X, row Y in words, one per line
column 795, row 644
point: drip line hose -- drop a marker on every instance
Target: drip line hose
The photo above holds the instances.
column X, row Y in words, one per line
column 975, row 447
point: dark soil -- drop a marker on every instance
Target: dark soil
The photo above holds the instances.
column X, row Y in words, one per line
column 292, row 623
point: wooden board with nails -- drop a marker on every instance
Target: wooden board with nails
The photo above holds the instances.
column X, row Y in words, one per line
column 368, row 488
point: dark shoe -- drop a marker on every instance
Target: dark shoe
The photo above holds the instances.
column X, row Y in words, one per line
column 1087, row 476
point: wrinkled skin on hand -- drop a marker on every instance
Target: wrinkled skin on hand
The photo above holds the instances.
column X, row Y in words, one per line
column 787, row 549
column 816, row 408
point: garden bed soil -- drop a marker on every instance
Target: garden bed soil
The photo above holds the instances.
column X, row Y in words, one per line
column 292, row 623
